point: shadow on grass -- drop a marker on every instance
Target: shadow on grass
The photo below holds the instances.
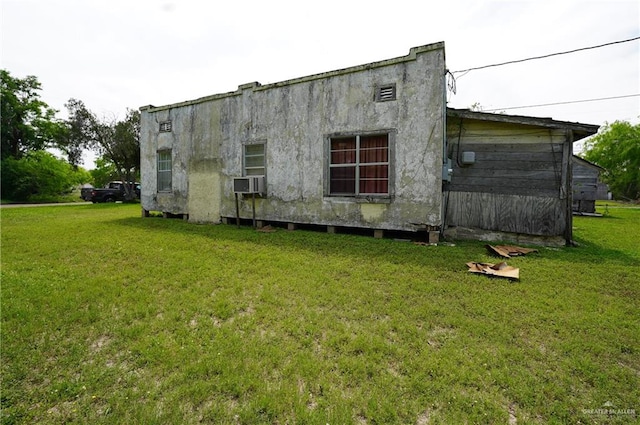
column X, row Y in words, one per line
column 587, row 251
column 356, row 245
column 445, row 256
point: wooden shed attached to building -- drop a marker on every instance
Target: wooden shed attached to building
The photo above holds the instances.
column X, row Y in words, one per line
column 511, row 178
column 587, row 187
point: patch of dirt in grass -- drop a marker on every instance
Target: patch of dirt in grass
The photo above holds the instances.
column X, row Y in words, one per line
column 424, row 418
column 247, row 311
column 202, row 408
column 393, row 371
column 232, row 405
column 312, row 404
column 99, row 343
column 512, row 415
column 631, row 368
column 545, row 348
column 318, row 343
column 361, row 420
column 302, row 386
column 102, row 408
column 219, row 321
column 542, row 348
column 438, row 335
column 63, row 411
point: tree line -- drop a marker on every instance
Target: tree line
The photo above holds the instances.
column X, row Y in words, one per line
column 29, row 128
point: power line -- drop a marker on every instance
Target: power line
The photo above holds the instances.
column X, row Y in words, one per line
column 546, row 56
column 562, row 103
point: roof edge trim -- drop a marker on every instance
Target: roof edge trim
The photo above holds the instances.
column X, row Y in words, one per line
column 256, row 86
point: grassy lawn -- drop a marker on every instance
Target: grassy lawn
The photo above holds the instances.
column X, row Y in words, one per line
column 111, row 318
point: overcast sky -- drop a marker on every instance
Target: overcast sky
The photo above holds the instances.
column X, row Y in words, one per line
column 114, row 54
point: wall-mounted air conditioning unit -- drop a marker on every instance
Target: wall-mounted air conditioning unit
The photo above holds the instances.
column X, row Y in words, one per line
column 248, row 184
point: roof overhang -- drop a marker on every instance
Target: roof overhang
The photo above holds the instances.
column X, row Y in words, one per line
column 583, row 161
column 580, row 130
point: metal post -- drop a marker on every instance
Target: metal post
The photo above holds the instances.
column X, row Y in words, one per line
column 237, row 211
column 253, row 207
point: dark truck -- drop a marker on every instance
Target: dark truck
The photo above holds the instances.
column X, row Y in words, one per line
column 114, row 191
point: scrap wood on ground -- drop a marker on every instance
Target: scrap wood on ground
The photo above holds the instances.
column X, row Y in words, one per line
column 501, row 269
column 508, row 251
column 498, row 270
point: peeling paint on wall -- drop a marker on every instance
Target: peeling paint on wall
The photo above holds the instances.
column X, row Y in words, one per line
column 372, row 213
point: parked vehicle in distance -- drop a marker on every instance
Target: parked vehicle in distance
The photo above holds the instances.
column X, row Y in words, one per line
column 112, row 192
column 85, row 192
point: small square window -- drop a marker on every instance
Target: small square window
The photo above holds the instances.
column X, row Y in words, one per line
column 165, row 126
column 385, row 93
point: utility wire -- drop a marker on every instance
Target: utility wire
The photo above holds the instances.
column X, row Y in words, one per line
column 546, row 56
column 562, row 103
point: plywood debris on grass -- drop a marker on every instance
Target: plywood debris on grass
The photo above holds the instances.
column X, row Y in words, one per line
column 499, row 270
column 508, row 251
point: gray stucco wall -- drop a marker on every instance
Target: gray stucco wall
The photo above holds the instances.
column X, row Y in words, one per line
column 295, row 119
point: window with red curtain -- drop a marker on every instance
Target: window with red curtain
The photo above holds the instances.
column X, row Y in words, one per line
column 359, row 165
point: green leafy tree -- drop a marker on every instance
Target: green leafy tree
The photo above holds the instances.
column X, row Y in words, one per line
column 39, row 176
column 27, row 123
column 617, row 149
column 78, row 131
column 123, row 149
column 104, row 172
column 117, row 142
column 28, row 126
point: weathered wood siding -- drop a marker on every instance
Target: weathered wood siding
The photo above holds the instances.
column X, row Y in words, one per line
column 531, row 215
column 585, row 181
column 517, row 183
column 510, row 169
column 586, row 186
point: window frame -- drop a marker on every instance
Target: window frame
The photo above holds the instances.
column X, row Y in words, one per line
column 390, row 133
column 246, row 168
column 164, row 184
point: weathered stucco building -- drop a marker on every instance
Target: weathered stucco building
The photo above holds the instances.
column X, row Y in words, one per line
column 357, row 147
column 365, row 147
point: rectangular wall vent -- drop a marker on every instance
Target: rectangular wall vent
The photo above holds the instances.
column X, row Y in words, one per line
column 165, row 126
column 386, row 92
